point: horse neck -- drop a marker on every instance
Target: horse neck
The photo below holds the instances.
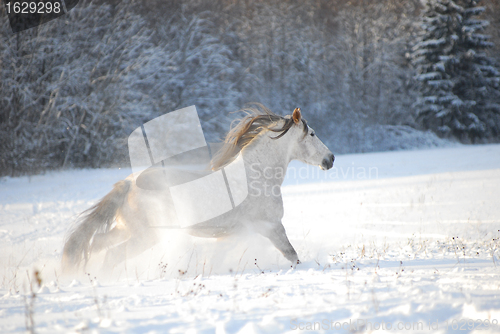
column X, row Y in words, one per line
column 268, row 156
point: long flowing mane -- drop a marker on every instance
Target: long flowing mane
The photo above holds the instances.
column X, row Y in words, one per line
column 243, row 131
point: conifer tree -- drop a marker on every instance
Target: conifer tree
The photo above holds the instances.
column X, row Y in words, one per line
column 459, row 83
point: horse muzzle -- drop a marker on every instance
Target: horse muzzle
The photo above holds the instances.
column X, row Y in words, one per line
column 327, row 162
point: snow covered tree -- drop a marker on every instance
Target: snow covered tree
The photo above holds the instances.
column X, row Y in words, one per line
column 65, row 88
column 459, row 83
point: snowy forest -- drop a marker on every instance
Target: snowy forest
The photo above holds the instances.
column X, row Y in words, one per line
column 368, row 75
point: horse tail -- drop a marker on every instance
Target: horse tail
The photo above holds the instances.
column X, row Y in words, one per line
column 97, row 219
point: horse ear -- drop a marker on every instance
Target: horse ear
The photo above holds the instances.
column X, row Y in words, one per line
column 296, row 115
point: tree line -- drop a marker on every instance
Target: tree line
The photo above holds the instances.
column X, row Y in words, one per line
column 73, row 89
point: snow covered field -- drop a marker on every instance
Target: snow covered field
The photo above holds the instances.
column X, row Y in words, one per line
column 398, row 242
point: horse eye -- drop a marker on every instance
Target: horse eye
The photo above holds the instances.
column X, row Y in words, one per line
column 312, row 134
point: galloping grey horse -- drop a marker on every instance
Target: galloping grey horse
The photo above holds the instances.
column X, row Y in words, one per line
column 120, row 223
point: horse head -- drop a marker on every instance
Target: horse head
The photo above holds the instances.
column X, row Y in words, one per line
column 307, row 147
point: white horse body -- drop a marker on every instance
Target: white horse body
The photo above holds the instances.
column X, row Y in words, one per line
column 123, row 222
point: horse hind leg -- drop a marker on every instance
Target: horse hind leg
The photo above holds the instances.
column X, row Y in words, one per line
column 139, row 236
column 117, row 235
column 109, row 240
column 138, row 242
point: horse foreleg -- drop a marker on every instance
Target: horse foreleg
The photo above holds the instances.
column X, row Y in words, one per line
column 277, row 234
